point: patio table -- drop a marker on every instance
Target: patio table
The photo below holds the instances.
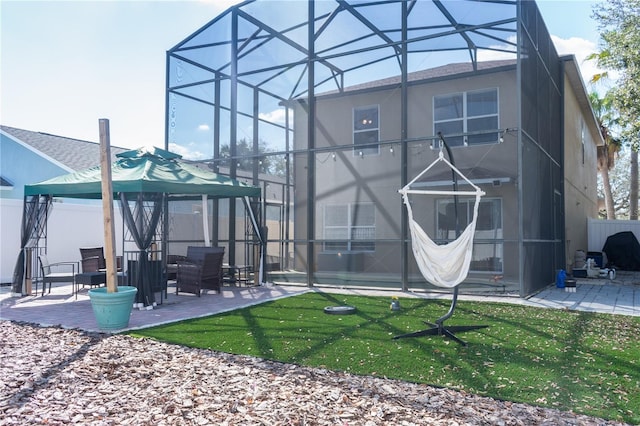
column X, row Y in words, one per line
column 237, row 273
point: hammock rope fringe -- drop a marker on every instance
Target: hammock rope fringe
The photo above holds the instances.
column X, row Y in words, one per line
column 444, row 265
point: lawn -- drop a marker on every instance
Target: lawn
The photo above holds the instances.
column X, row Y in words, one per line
column 585, row 362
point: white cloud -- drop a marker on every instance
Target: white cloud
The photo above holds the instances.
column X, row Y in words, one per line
column 580, row 48
column 276, row 116
column 203, row 127
column 186, row 153
column 494, row 55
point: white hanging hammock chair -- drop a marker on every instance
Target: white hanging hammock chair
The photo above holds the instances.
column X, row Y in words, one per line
column 444, row 265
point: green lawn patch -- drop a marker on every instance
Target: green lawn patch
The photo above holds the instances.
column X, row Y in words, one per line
column 585, row 362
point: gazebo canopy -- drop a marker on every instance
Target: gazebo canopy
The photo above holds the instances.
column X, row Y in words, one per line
column 145, row 170
column 139, row 177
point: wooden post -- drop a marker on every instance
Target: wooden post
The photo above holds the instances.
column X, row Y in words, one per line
column 107, row 206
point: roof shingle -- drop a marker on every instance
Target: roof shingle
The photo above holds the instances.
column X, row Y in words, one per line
column 73, row 153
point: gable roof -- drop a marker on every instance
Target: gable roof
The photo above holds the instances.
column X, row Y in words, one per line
column 74, row 154
column 453, row 70
column 5, row 182
column 443, row 71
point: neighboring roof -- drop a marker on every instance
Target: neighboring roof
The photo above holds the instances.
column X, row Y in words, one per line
column 75, row 154
column 5, row 182
column 145, row 170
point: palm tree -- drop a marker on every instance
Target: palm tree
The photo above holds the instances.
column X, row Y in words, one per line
column 604, row 112
column 619, row 27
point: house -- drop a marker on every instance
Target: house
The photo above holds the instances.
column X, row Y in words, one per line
column 356, row 200
column 28, row 157
column 355, row 104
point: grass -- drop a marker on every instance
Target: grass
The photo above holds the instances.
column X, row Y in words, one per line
column 584, row 362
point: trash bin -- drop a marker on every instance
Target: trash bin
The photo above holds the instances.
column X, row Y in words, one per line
column 560, row 278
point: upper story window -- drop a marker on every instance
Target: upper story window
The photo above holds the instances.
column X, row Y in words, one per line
column 472, row 113
column 366, row 130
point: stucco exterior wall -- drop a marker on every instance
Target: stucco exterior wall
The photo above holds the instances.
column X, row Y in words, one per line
column 580, row 177
column 342, row 176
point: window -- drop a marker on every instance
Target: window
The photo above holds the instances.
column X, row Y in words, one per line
column 488, row 238
column 350, row 227
column 366, row 131
column 472, row 113
column 582, row 138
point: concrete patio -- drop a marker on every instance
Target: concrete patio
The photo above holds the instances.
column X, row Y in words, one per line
column 620, row 296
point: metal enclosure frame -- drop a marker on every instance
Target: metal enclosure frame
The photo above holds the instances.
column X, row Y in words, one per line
column 232, row 72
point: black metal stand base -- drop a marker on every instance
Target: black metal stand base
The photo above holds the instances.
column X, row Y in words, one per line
column 441, row 330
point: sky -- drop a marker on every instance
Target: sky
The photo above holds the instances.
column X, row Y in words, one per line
column 66, row 64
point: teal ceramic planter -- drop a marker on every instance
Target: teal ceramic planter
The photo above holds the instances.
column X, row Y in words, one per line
column 112, row 310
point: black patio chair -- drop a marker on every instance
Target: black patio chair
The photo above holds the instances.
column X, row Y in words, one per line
column 200, row 272
column 51, row 273
column 93, row 260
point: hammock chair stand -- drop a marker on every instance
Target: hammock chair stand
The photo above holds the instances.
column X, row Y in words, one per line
column 439, row 329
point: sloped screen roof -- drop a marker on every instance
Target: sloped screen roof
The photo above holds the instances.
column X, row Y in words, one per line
column 145, row 171
column 353, row 42
column 239, row 74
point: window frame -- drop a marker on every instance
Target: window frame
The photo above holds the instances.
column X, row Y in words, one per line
column 464, row 137
column 350, row 229
column 362, row 149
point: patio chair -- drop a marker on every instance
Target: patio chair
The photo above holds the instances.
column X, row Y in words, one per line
column 49, row 276
column 202, row 272
column 93, row 260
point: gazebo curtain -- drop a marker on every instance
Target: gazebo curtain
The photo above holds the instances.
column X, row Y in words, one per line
column 142, row 223
column 34, row 218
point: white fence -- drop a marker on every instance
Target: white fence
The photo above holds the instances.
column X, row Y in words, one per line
column 70, row 227
column 599, row 230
